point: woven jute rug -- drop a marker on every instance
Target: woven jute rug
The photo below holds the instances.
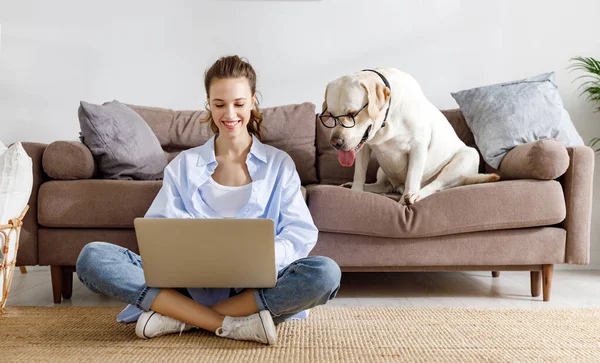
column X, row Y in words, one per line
column 81, row 334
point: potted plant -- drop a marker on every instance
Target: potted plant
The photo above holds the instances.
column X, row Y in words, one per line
column 591, row 86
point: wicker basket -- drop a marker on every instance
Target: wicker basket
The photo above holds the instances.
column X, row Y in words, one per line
column 9, row 245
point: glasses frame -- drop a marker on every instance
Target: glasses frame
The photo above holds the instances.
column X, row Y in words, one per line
column 337, row 118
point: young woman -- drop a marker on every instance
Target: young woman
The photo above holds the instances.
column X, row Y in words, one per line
column 232, row 175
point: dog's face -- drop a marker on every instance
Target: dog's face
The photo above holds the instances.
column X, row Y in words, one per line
column 354, row 100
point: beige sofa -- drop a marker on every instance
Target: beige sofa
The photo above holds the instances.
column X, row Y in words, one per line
column 522, row 224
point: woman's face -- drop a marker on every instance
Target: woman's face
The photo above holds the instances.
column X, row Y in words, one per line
column 230, row 101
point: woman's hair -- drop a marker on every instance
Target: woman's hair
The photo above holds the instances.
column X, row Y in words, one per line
column 234, row 67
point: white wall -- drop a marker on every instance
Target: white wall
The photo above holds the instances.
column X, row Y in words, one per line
column 55, row 54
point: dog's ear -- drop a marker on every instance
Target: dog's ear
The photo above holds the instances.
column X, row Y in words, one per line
column 377, row 95
column 324, row 106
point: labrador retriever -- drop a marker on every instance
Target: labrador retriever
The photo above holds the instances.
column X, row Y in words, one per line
column 385, row 112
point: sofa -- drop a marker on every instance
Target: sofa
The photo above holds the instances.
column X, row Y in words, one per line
column 513, row 224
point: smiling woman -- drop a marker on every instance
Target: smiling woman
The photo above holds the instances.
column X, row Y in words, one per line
column 231, row 102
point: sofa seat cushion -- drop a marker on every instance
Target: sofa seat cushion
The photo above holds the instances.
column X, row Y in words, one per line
column 96, row 203
column 481, row 207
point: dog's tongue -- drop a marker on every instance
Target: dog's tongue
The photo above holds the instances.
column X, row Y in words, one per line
column 346, row 158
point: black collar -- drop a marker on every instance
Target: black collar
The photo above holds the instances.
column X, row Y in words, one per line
column 387, row 84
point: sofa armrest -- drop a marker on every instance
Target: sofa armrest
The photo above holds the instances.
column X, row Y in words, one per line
column 28, row 247
column 68, row 160
column 545, row 159
column 577, row 185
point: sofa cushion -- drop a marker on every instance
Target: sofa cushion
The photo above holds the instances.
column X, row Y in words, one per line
column 122, row 143
column 175, row 130
column 525, row 246
column 68, row 160
column 472, row 208
column 96, row 203
column 290, row 128
column 543, row 159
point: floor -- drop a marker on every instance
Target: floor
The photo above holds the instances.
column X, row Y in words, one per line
column 570, row 288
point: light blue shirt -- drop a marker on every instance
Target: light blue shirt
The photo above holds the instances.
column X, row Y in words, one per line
column 276, row 195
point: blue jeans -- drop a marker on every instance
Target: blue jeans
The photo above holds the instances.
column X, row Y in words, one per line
column 116, row 271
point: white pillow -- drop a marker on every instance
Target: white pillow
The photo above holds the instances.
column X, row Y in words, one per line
column 16, row 181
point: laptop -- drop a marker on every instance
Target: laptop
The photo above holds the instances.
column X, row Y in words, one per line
column 179, row 253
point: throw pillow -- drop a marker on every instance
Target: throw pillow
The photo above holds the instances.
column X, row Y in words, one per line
column 16, row 181
column 121, row 141
column 505, row 115
column 543, row 159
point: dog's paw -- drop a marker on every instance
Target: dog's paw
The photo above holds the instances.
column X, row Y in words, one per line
column 347, row 185
column 411, row 198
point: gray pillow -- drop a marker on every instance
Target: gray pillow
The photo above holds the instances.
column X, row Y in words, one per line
column 122, row 143
column 502, row 116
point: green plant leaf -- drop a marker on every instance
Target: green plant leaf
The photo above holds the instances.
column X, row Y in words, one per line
column 591, row 86
column 588, row 64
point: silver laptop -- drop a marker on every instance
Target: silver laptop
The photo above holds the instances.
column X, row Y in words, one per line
column 207, row 252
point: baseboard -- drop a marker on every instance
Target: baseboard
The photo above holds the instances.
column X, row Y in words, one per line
column 591, row 267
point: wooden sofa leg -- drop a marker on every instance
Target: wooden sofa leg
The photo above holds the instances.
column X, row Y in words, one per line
column 536, row 283
column 62, row 282
column 547, row 271
column 67, row 281
column 495, row 273
column 56, row 273
column 23, row 269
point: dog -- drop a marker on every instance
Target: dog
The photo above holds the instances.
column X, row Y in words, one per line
column 384, row 111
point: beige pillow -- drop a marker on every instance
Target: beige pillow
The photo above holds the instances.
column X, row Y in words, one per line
column 545, row 159
column 68, row 160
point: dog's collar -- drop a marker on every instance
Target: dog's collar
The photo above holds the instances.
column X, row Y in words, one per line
column 387, row 84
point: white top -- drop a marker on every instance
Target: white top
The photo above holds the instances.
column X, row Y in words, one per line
column 225, row 200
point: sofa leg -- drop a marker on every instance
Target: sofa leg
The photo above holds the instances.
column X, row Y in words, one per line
column 495, row 273
column 23, row 269
column 56, row 273
column 67, row 282
column 62, row 282
column 536, row 283
column 547, row 271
